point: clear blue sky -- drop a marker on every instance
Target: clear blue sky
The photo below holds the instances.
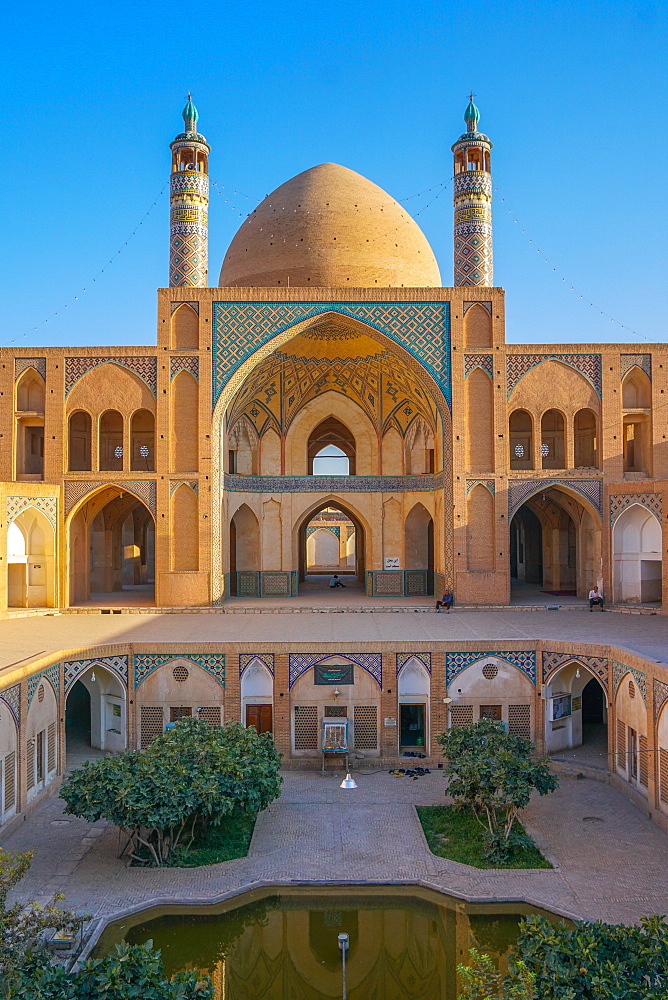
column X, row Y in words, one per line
column 573, row 95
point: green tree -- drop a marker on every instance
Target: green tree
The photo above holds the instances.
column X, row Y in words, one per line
column 494, row 774
column 480, row 980
column 192, row 775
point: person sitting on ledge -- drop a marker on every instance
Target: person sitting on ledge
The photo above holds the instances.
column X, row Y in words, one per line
column 595, row 598
column 445, row 602
column 335, row 582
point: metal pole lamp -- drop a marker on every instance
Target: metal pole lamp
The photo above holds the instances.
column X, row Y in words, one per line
column 343, row 945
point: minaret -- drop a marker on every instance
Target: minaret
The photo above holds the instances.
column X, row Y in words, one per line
column 189, row 205
column 474, row 250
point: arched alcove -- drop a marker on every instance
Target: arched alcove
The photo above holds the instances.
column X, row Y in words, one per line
column 142, row 441
column 477, row 327
column 257, row 696
column 8, row 763
column 29, row 446
column 585, row 439
column 637, row 556
column 176, row 689
column 110, row 447
column 331, row 439
column 30, row 392
column 270, row 453
column 413, row 689
column 479, row 403
column 576, row 714
column 95, row 715
column 419, row 543
column 79, row 442
column 636, row 390
column 243, row 448
column 492, row 688
column 553, row 440
column 244, row 544
column 185, row 530
column 184, row 423
column 631, row 723
column 41, row 734
column 185, row 329
column 31, row 572
column 480, row 530
column 347, row 526
column 520, row 427
column 419, row 448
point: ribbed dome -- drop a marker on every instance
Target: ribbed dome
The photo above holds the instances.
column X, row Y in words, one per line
column 329, row 226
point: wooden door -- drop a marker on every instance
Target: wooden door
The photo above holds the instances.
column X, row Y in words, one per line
column 259, row 716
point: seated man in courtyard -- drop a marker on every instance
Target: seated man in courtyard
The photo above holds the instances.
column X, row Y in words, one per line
column 335, row 582
column 595, row 597
column 446, row 601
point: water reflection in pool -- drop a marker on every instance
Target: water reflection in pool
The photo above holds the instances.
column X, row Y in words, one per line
column 403, row 945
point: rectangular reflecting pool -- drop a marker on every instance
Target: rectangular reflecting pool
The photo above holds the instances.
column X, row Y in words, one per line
column 404, row 942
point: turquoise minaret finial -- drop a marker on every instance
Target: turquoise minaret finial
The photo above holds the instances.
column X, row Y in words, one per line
column 190, row 115
column 189, row 205
column 471, row 116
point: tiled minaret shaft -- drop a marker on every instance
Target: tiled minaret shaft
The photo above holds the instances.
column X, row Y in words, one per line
column 189, row 205
column 473, row 245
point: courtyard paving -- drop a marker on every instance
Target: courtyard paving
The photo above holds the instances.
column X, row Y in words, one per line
column 610, row 858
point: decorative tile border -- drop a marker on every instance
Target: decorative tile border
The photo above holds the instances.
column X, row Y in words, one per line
column 116, row 664
column 524, row 661
column 247, row 658
column 629, row 361
column 12, row 699
column 143, row 489
column 175, row 305
column 620, row 501
column 424, row 658
column 22, row 364
column 485, row 305
column 146, row 663
column 145, row 367
column 518, row 492
column 333, row 484
column 589, row 365
column 184, row 364
column 301, row 662
column 52, row 674
column 472, row 483
column 422, row 329
column 660, row 693
column 48, row 506
column 597, row 665
column 618, row 671
column 334, row 528
column 484, row 361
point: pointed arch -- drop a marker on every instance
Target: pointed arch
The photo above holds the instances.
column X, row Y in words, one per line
column 110, row 441
column 142, row 441
column 479, row 410
column 636, row 390
column 480, row 530
column 31, row 561
column 637, row 555
column 80, row 439
column 477, row 327
column 30, row 391
column 185, row 328
column 243, row 442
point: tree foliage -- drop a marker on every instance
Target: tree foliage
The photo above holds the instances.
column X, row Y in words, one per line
column 494, row 774
column 480, row 980
column 192, row 775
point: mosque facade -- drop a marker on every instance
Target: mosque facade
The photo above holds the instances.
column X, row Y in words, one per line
column 330, row 406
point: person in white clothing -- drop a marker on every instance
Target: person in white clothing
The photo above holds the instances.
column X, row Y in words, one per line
column 595, row 598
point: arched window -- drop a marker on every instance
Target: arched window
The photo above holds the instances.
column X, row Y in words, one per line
column 142, row 441
column 185, row 328
column 586, row 444
column 552, row 440
column 330, row 461
column 111, row 442
column 520, row 426
column 79, row 451
column 636, row 391
column 30, row 393
column 332, row 443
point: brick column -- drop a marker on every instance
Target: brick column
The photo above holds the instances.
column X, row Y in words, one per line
column 282, row 706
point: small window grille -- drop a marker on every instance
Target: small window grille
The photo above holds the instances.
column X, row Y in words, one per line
column 663, row 775
column 151, row 724
column 643, row 761
column 519, row 720
column 177, row 712
column 306, row 727
column 461, row 715
column 210, row 714
column 30, row 764
column 40, row 693
column 180, row 673
column 632, row 743
column 490, row 671
column 519, row 451
column 365, row 718
column 336, row 712
column 621, row 745
column 545, row 450
column 632, row 689
column 51, row 748
column 10, row 781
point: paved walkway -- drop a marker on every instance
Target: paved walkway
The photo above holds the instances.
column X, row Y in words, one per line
column 644, row 635
column 611, row 859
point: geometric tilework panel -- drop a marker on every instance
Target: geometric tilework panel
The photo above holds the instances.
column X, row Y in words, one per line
column 521, row 491
column 484, row 361
column 334, row 528
column 266, row 658
column 620, row 501
column 589, row 365
column 117, row 664
column 145, row 367
column 422, row 329
column 333, row 484
column 523, row 660
column 371, row 662
column 12, row 698
column 52, row 674
column 598, row 665
column 472, row 483
column 629, row 361
column 175, row 483
column 46, row 505
column 186, row 364
column 424, row 658
column 213, row 663
column 39, row 364
column 618, row 671
column 660, row 697
column 145, row 490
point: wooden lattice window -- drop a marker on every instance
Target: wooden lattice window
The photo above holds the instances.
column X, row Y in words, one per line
column 519, row 720
column 51, row 748
column 180, row 673
column 663, row 775
column 643, row 761
column 366, row 727
column 151, row 724
column 30, row 764
column 177, row 712
column 10, row 781
column 336, row 712
column 461, row 715
column 632, row 746
column 621, row 745
column 210, row 714
column 306, row 727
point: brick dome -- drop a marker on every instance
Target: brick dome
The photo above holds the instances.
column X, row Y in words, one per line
column 329, row 226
